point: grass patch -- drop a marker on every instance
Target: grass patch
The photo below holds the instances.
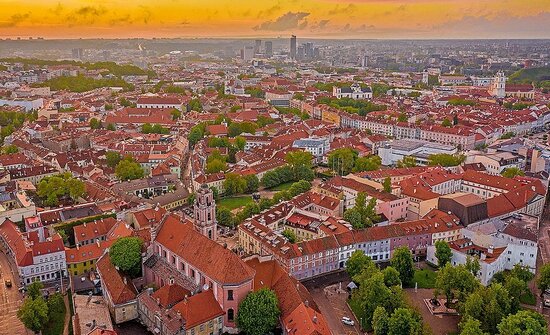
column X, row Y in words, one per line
column 282, row 187
column 232, row 203
column 425, row 278
column 359, row 312
column 528, row 299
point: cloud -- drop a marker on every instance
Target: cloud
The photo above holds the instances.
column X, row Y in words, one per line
column 269, row 12
column 290, row 20
column 535, row 26
column 343, row 10
column 90, row 11
column 319, row 25
column 15, row 20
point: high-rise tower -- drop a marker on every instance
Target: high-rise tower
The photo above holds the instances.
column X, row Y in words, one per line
column 204, row 210
column 293, row 47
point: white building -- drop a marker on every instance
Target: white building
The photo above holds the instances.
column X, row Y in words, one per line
column 159, row 102
column 30, row 104
column 499, row 244
column 420, row 150
column 355, row 91
column 38, row 257
column 318, row 147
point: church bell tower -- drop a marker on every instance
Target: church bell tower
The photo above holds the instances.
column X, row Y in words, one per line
column 204, row 210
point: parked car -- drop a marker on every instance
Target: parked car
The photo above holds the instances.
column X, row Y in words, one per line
column 7, row 282
column 348, row 321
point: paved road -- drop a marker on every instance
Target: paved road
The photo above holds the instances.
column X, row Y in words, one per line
column 10, row 300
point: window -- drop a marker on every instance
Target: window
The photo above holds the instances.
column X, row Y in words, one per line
column 230, row 295
column 230, row 315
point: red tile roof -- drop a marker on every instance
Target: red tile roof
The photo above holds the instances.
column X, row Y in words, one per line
column 199, row 309
column 217, row 262
column 120, row 288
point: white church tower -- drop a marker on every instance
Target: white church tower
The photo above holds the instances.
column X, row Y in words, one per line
column 498, row 86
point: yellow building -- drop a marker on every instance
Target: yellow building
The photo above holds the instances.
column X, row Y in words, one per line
column 331, row 116
column 83, row 259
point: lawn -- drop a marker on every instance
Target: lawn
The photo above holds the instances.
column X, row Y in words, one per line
column 425, row 278
column 528, row 299
column 235, row 202
column 282, row 187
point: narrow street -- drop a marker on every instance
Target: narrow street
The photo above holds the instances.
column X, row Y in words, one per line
column 10, row 300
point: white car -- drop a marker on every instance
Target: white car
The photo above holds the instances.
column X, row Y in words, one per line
column 348, row 321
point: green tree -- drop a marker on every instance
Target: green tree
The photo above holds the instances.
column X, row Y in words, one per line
column 258, row 312
column 353, row 216
column 10, row 149
column 387, row 184
column 370, row 163
column 373, row 293
column 543, row 282
column 404, row 322
column 447, row 123
column 471, row 326
column 443, row 253
column 111, row 127
column 252, row 183
column 125, row 253
column 234, row 184
column 34, row 290
column 95, row 123
column 54, row 188
column 240, row 142
column 357, row 262
column 455, row 282
column 511, row 172
column 300, row 162
column 523, row 323
column 472, row 265
column 391, row 276
column 445, row 160
column 290, row 235
column 402, row 261
column 342, row 160
column 406, row 162
column 225, row 217
column 34, row 314
column 129, row 169
column 402, row 117
column 380, row 320
column 112, row 158
column 488, row 305
column 195, row 105
column 215, row 165
column 176, row 114
column 271, row 179
column 196, row 134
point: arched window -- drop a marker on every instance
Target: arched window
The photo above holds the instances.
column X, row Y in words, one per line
column 230, row 315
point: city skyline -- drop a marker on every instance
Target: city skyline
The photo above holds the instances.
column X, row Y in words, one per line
column 392, row 19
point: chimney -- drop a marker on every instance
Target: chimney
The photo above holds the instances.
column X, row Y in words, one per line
column 306, row 303
column 125, row 280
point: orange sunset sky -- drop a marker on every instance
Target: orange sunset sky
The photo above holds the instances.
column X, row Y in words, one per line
column 262, row 18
